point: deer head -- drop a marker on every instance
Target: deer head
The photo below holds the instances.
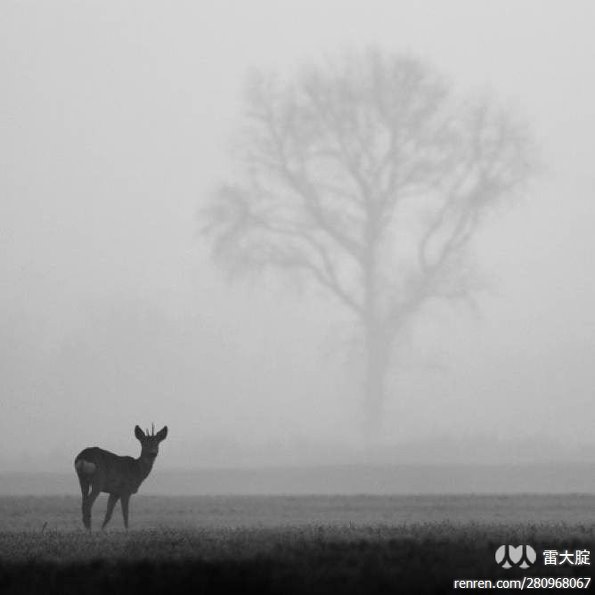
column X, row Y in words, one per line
column 150, row 442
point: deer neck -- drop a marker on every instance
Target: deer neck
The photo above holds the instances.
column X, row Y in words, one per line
column 144, row 464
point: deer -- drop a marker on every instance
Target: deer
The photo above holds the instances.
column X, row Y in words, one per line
column 99, row 470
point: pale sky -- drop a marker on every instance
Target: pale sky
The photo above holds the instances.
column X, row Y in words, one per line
column 117, row 119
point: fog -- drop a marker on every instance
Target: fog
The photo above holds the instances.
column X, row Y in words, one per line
column 118, row 121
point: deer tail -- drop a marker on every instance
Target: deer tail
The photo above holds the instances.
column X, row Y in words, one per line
column 85, row 467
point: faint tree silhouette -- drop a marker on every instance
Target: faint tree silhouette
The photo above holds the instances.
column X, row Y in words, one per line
column 368, row 176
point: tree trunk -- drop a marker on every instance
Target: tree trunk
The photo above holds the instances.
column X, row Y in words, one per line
column 376, row 338
column 377, row 363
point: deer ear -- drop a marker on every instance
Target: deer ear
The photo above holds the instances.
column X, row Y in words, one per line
column 138, row 433
column 162, row 434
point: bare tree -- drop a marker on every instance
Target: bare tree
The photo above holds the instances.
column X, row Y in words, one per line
column 369, row 177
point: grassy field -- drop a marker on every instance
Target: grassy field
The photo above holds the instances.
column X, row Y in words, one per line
column 317, row 544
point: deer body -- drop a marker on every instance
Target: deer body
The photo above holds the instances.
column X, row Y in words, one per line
column 99, row 470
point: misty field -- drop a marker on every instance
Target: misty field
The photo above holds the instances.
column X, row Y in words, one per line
column 317, row 544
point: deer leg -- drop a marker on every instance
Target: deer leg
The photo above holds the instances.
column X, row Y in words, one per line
column 87, row 504
column 110, row 509
column 124, row 500
column 84, row 487
column 85, row 494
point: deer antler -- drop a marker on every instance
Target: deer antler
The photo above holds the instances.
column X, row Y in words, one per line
column 152, row 429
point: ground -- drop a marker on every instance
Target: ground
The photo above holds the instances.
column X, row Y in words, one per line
column 317, row 544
